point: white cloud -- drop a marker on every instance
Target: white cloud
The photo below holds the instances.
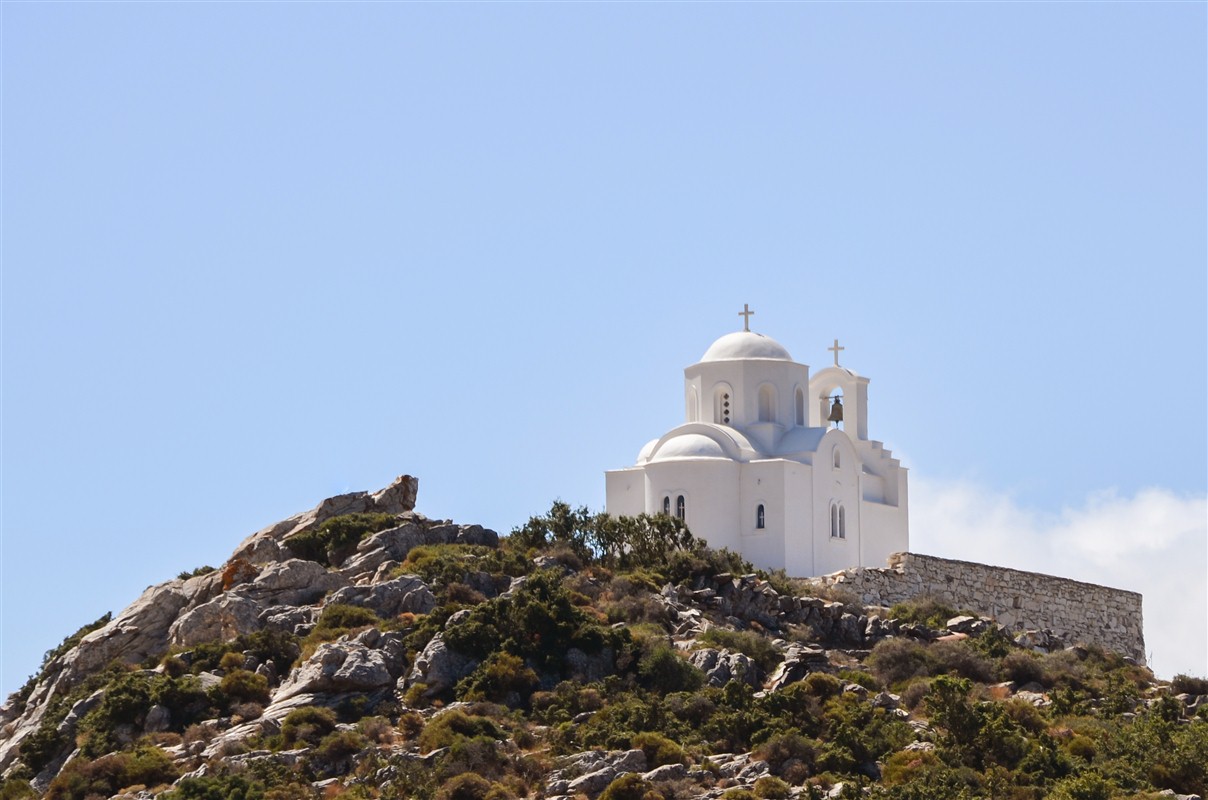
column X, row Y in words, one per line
column 1155, row 543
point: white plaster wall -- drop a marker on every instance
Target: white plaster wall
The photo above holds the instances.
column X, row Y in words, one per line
column 841, row 485
column 625, row 492
column 710, row 487
column 763, row 482
column 884, row 533
column 800, row 542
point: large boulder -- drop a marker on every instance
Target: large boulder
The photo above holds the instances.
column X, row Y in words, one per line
column 222, row 619
column 405, row 593
column 294, row 582
column 799, row 661
column 337, row 668
column 721, row 667
column 439, row 668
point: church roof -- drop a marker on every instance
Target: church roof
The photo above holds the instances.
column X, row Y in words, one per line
column 746, row 344
column 689, row 445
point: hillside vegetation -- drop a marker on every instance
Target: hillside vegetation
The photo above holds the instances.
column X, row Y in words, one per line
column 374, row 653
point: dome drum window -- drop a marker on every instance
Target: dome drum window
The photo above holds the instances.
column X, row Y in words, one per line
column 760, row 518
column 680, row 509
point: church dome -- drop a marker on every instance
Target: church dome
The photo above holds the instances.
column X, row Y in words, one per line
column 746, row 344
column 689, row 445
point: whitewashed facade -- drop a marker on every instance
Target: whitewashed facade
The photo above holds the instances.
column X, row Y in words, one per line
column 757, row 468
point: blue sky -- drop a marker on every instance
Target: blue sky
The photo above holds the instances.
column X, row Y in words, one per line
column 255, row 254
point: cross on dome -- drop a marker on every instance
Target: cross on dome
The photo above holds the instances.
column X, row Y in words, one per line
column 746, row 317
column 835, row 349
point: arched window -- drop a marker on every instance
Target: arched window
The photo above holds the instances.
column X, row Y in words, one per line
column 800, row 408
column 759, row 518
column 721, row 405
column 767, row 403
column 667, row 506
column 835, row 457
column 842, row 523
column 834, row 520
column 693, row 411
column 679, row 507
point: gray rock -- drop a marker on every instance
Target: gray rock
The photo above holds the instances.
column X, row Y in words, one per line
column 403, row 594
column 338, row 667
column 291, row 619
column 667, row 772
column 295, row 582
column 159, row 718
column 721, row 667
column 799, row 661
column 585, row 668
column 221, row 619
column 439, row 668
column 264, row 545
column 616, row 765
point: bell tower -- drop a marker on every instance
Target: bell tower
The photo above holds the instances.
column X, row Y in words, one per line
column 851, row 390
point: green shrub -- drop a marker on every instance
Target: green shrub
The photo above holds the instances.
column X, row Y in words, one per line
column 860, row 678
column 1186, row 684
column 206, row 570
column 81, row 779
column 16, row 789
column 629, row 786
column 467, row 786
column 771, row 788
column 241, row 685
column 338, row 746
column 923, row 610
column 1020, row 667
column 216, row 787
column 789, row 755
column 1087, row 786
column 662, row 670
column 738, row 794
column 266, row 645
column 21, row 695
column 337, row 538
column 502, row 678
column 307, row 725
column 339, row 618
column 659, row 750
column 822, row 686
column 448, row 728
column 127, row 699
column 896, row 661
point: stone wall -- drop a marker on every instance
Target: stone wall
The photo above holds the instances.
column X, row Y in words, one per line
column 1076, row 612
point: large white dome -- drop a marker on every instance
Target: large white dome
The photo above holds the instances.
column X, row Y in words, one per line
column 745, row 344
column 689, row 445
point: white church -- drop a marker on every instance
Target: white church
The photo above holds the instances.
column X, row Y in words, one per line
column 772, row 463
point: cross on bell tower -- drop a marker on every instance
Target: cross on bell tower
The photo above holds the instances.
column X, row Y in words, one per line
column 835, row 349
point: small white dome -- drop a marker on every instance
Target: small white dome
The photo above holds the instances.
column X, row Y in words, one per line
column 689, row 445
column 745, row 344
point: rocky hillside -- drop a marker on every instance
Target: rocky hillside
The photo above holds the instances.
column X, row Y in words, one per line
column 361, row 650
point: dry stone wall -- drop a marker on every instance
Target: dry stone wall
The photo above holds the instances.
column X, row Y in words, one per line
column 1076, row 612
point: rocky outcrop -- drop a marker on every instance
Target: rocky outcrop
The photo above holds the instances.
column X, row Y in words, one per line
column 406, row 593
column 365, row 663
column 589, row 773
column 721, row 667
column 265, row 545
column 439, row 668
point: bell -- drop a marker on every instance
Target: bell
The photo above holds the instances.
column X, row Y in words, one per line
column 836, row 414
